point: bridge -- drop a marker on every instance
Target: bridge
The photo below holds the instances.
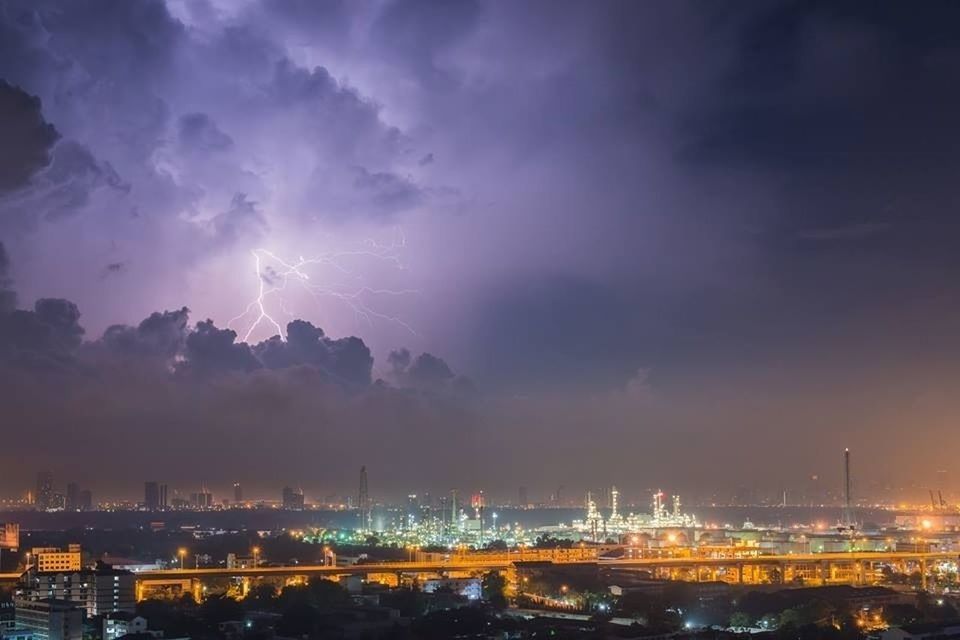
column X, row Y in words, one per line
column 813, row 568
column 858, row 568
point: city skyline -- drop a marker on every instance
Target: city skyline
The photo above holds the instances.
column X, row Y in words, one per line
column 480, row 245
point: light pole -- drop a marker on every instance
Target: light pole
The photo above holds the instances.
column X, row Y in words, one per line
column 182, row 553
column 256, row 557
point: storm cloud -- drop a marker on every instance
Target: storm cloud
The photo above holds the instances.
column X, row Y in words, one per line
column 749, row 203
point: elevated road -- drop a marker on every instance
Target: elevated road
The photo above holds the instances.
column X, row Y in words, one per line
column 479, row 563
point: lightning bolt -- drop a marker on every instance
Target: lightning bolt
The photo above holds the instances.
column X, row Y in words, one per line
column 279, row 274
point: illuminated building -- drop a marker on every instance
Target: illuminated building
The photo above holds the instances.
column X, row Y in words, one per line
column 51, row 559
column 363, row 503
column 9, row 535
column 116, row 625
column 594, row 526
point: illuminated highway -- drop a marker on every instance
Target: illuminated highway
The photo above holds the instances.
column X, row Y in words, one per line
column 500, row 562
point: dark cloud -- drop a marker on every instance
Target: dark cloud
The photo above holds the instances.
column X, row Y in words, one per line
column 211, row 351
column 243, row 218
column 387, row 192
column 426, row 372
column 399, row 360
column 429, row 370
column 27, row 138
column 345, row 360
column 44, row 337
column 114, row 268
column 199, row 131
column 161, row 335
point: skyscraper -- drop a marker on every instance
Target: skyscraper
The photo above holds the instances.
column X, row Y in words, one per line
column 237, row 493
column 151, row 496
column 44, row 496
column 522, row 501
column 72, row 501
column 364, row 502
column 292, row 499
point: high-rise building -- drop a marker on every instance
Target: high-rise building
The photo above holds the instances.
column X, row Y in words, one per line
column 203, row 499
column 99, row 591
column 364, row 502
column 163, row 496
column 72, row 500
column 85, row 500
column 292, row 499
column 237, row 493
column 522, row 501
column 44, row 498
column 151, row 496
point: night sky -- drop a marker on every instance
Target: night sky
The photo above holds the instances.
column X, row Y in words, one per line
column 697, row 245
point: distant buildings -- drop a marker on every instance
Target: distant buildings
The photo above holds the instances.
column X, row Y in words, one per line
column 242, row 562
column 73, row 497
column 202, row 499
column 78, row 499
column 9, row 535
column 154, row 496
column 292, row 499
column 44, row 498
column 237, row 493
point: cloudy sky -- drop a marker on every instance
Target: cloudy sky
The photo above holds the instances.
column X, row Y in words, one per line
column 703, row 245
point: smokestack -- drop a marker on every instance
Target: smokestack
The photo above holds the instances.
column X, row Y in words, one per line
column 848, row 520
column 846, row 477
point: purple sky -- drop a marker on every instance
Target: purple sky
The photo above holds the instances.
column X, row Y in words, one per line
column 703, row 245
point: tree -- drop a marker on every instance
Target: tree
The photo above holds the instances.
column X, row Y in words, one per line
column 739, row 619
column 220, row 608
column 494, row 587
column 261, row 596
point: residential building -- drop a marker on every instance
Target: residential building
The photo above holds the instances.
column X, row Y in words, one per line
column 120, row 624
column 50, row 619
column 98, row 591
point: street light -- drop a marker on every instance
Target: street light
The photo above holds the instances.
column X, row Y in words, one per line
column 182, row 553
column 256, row 557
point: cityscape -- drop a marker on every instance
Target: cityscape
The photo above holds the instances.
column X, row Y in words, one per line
column 479, row 320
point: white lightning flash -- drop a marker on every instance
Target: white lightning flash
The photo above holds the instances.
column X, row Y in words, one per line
column 278, row 274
